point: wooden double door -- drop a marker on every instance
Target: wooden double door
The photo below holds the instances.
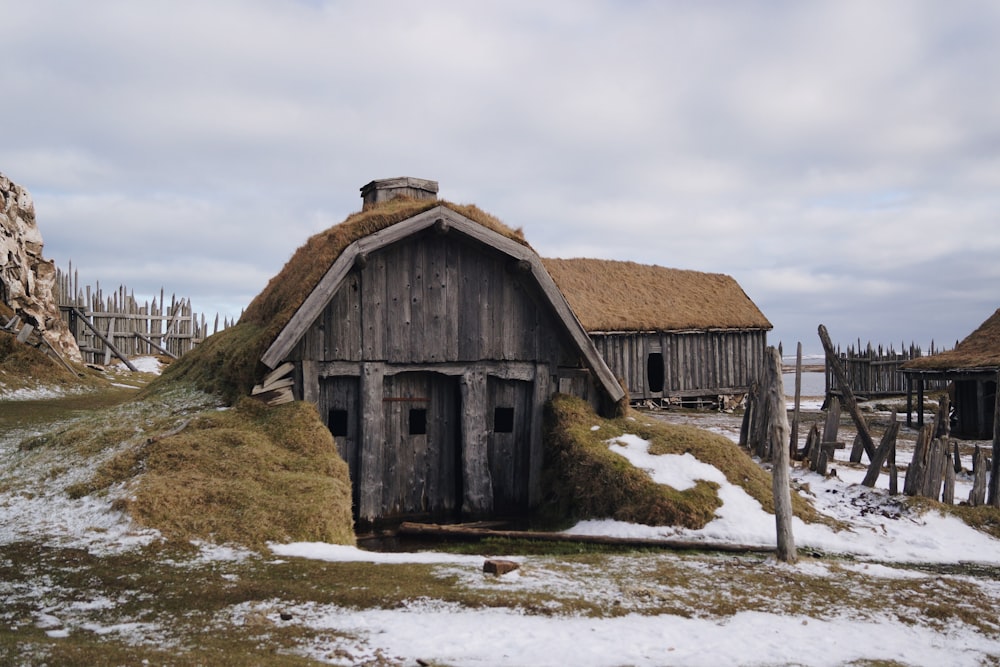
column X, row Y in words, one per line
column 419, row 470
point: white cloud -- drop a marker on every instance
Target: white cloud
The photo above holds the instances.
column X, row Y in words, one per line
column 809, row 150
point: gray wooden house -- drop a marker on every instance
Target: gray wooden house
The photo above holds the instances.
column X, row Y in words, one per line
column 973, row 369
column 430, row 344
column 673, row 336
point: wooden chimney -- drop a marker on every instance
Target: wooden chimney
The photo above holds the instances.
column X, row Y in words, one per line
column 377, row 192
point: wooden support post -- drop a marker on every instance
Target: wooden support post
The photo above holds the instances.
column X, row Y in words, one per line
column 845, row 389
column 994, row 488
column 780, row 474
column 476, row 481
column 793, row 440
column 977, row 496
column 371, row 463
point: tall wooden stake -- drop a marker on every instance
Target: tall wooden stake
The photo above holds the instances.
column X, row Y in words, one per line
column 793, row 440
column 778, row 434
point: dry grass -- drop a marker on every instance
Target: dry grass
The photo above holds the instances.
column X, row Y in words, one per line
column 625, row 296
column 980, row 349
column 584, row 479
column 248, row 475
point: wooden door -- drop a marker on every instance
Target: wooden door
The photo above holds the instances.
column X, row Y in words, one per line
column 422, row 466
column 509, row 443
column 339, row 407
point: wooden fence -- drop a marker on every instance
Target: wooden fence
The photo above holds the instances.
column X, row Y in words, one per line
column 117, row 325
column 875, row 372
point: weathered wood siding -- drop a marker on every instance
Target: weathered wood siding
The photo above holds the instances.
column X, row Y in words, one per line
column 456, row 335
column 432, row 300
column 693, row 363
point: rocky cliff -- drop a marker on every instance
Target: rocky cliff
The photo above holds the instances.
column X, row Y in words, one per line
column 26, row 278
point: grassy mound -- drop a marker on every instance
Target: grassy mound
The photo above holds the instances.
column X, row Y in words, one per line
column 584, row 479
column 248, row 475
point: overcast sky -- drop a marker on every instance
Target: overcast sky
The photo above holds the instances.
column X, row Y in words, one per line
column 841, row 160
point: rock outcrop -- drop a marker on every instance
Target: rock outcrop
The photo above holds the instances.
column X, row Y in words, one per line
column 26, row 277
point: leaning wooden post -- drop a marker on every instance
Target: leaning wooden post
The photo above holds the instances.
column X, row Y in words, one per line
column 994, row 485
column 845, row 390
column 778, row 435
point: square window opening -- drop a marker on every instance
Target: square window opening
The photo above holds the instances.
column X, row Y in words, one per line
column 503, row 420
column 338, row 422
column 418, row 421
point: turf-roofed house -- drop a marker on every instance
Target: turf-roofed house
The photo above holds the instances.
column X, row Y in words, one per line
column 674, row 336
column 430, row 336
column 973, row 368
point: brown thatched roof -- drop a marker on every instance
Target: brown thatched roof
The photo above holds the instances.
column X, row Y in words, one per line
column 980, row 349
column 610, row 295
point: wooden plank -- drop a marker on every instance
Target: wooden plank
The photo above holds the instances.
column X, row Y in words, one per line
column 150, row 342
column 542, row 391
column 22, row 335
column 474, row 532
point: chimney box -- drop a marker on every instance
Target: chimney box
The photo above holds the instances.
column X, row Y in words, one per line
column 379, row 191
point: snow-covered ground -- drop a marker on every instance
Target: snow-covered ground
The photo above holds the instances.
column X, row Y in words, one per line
column 882, row 531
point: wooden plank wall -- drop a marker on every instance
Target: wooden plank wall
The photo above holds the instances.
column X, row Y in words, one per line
column 875, row 371
column 433, row 301
column 695, row 363
column 170, row 323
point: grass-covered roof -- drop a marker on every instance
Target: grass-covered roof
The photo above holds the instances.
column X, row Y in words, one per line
column 611, row 295
column 980, row 349
column 228, row 363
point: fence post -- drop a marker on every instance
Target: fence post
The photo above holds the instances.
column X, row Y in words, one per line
column 778, row 436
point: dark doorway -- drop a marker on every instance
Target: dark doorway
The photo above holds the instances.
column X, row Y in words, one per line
column 654, row 372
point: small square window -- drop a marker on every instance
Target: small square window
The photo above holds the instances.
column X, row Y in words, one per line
column 418, row 421
column 503, row 420
column 338, row 422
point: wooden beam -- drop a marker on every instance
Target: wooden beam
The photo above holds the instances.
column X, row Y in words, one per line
column 439, row 530
column 111, row 346
column 149, row 341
